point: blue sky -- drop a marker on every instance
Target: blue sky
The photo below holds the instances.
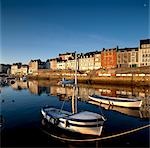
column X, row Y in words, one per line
column 41, row 29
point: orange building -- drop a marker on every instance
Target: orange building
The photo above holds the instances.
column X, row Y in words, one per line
column 109, row 58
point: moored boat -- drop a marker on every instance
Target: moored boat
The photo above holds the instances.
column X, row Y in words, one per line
column 123, row 102
column 65, row 81
column 84, row 122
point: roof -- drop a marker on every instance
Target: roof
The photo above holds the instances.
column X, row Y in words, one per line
column 145, row 41
column 109, row 49
column 127, row 49
column 67, row 53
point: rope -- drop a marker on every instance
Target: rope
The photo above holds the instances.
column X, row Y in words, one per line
column 62, row 105
column 98, row 139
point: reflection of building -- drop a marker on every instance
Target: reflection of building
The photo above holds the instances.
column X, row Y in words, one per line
column 14, row 86
column 18, row 85
column 33, row 87
column 53, row 90
column 23, row 85
column 63, row 92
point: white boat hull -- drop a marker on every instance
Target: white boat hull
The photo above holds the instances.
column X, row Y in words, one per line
column 125, row 103
column 74, row 124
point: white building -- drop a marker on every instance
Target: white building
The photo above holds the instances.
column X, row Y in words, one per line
column 144, row 53
column 61, row 65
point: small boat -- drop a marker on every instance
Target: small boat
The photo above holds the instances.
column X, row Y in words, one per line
column 65, row 81
column 84, row 122
column 123, row 102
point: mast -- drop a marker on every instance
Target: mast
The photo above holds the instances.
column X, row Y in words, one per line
column 74, row 98
column 75, row 69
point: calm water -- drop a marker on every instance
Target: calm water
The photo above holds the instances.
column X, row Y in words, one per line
column 22, row 126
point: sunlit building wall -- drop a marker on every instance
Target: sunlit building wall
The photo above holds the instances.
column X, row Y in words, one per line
column 144, row 53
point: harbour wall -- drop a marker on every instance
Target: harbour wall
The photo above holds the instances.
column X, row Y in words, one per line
column 93, row 78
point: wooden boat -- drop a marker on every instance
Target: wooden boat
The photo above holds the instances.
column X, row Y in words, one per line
column 123, row 102
column 84, row 122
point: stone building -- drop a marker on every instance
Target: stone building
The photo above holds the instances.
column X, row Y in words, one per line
column 86, row 61
column 97, row 60
column 19, row 69
column 71, row 64
column 53, row 63
column 61, row 64
column 15, row 68
column 35, row 65
column 24, row 69
column 144, row 52
column 5, row 68
column 109, row 58
column 127, row 57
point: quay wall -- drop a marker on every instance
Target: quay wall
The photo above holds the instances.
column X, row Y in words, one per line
column 143, row 80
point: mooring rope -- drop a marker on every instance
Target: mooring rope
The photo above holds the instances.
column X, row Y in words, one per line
column 100, row 138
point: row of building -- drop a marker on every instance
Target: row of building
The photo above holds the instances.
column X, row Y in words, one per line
column 105, row 58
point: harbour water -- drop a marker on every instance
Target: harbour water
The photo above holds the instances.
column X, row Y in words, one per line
column 23, row 125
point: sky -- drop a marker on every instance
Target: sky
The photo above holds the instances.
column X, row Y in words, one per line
column 41, row 29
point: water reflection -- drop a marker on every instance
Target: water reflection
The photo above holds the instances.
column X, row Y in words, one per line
column 65, row 93
column 21, row 111
column 64, row 136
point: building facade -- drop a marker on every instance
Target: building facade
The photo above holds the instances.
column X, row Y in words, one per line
column 24, row 69
column 144, row 53
column 127, row 57
column 109, row 58
column 53, row 63
column 71, row 64
column 5, row 68
column 97, row 60
column 15, row 68
column 61, row 64
column 34, row 65
column 86, row 61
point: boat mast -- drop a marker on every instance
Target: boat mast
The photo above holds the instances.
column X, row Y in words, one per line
column 75, row 69
column 74, row 98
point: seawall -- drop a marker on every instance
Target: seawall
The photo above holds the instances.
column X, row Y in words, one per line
column 93, row 79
